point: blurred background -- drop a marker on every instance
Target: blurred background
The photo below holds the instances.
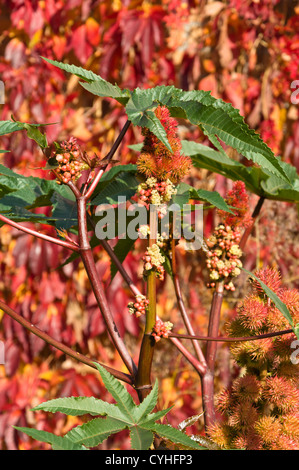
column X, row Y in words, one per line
column 245, row 52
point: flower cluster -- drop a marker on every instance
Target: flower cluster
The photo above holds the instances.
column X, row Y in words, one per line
column 69, row 159
column 261, row 409
column 139, row 307
column 161, row 330
column 238, row 198
column 156, row 160
column 153, row 260
column 223, row 257
column 154, row 192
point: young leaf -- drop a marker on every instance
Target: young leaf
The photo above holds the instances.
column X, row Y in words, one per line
column 57, row 442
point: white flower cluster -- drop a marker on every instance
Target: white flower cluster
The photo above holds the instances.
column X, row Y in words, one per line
column 223, row 257
column 154, row 192
column 139, row 307
column 153, row 259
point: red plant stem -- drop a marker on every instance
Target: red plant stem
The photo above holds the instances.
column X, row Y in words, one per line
column 120, row 267
column 58, row 345
column 116, row 144
column 97, row 286
column 254, row 216
column 105, row 162
column 36, row 234
column 198, row 365
column 182, row 308
column 94, row 184
column 208, row 378
column 214, row 325
column 223, row 339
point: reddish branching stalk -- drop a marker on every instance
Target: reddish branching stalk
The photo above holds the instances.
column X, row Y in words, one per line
column 201, row 367
column 208, row 377
column 40, row 235
column 97, row 286
column 226, row 339
column 58, row 345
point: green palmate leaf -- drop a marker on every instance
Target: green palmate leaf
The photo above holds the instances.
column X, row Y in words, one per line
column 121, row 250
column 34, row 134
column 95, row 431
column 148, row 404
column 141, row 439
column 93, row 83
column 218, row 120
column 174, row 435
column 107, row 90
column 57, row 442
column 258, row 180
column 140, row 108
column 124, row 185
column 149, row 120
column 125, row 414
column 120, row 394
column 19, row 194
column 84, row 74
column 185, row 192
column 7, row 127
column 275, row 299
column 78, row 406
